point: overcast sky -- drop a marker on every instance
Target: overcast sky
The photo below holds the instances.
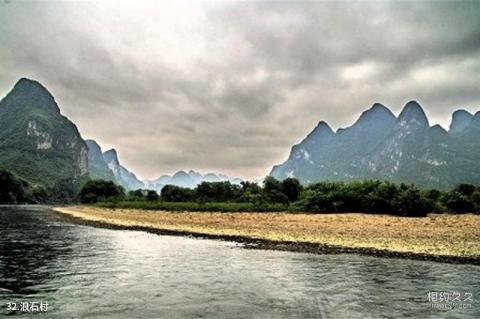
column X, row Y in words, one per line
column 230, row 86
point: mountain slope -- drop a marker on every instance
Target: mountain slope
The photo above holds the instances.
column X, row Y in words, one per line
column 380, row 146
column 317, row 156
column 122, row 175
column 460, row 121
column 37, row 142
column 97, row 167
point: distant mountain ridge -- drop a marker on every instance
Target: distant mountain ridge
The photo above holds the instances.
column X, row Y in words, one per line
column 106, row 165
column 188, row 179
column 381, row 146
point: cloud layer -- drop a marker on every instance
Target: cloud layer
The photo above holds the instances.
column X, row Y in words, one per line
column 230, row 86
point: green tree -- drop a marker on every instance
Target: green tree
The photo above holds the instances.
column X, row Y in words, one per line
column 434, row 197
column 458, row 202
column 12, row 190
column 136, row 195
column 381, row 199
column 291, row 187
column 465, row 189
column 411, row 203
column 217, row 191
column 152, row 195
column 476, row 200
column 312, row 200
column 63, row 191
column 172, row 193
column 272, row 190
column 250, row 192
column 99, row 190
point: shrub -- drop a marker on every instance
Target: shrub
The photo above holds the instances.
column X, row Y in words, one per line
column 411, row 203
column 381, row 199
column 272, row 191
column 216, row 191
column 250, row 192
column 12, row 190
column 291, row 188
column 100, row 190
column 458, row 202
column 138, row 194
column 152, row 196
column 476, row 200
column 172, row 193
column 465, row 189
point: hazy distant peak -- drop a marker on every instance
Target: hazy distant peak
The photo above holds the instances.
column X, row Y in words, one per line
column 111, row 152
column 377, row 111
column 412, row 106
column 210, row 174
column 92, row 143
column 191, row 179
column 462, row 112
column 476, row 119
column 379, row 107
column 377, row 116
column 322, row 128
column 413, row 112
column 180, row 173
column 195, row 175
column 438, row 129
column 460, row 120
column 164, row 179
column 211, row 177
column 323, row 125
column 321, row 132
column 93, row 146
column 111, row 155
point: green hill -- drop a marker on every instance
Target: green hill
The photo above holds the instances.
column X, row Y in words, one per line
column 38, row 143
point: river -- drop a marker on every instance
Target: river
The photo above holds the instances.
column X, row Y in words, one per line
column 77, row 271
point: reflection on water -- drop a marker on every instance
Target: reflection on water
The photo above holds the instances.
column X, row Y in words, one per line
column 98, row 273
column 29, row 248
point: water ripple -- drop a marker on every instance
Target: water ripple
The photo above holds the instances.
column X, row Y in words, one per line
column 99, row 273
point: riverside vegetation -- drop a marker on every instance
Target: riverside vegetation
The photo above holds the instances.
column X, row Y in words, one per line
column 288, row 216
column 375, row 197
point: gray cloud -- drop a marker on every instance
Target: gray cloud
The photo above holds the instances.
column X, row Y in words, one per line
column 230, row 86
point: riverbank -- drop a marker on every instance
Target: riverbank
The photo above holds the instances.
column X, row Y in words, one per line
column 445, row 238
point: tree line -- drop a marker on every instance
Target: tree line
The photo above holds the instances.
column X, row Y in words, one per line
column 15, row 190
column 370, row 196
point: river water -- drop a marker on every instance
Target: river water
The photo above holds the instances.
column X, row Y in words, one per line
column 88, row 272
